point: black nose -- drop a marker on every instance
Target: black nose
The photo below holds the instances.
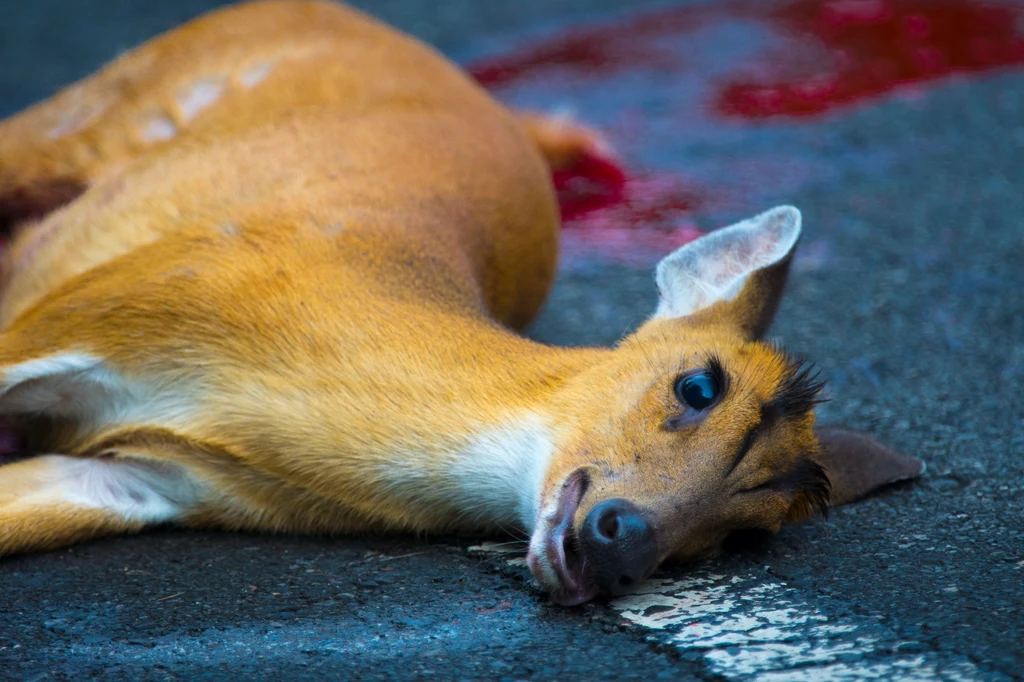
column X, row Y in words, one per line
column 619, row 545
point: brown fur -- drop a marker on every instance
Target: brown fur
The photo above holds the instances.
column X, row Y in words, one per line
column 303, row 296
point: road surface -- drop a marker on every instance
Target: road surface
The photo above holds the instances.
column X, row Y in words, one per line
column 897, row 127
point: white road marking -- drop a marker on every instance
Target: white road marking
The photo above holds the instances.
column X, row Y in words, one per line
column 755, row 627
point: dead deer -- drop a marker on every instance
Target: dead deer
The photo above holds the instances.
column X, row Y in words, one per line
column 266, row 276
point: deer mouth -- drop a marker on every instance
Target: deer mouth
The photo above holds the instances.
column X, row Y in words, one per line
column 554, row 557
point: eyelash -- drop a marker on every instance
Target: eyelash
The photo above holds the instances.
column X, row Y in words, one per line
column 713, row 366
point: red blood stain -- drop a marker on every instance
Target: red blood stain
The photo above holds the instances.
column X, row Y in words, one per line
column 602, row 207
column 639, row 199
column 873, row 47
column 592, row 183
column 838, row 51
column 596, row 50
column 598, row 192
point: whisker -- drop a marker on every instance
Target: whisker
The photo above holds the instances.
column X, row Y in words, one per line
column 650, row 359
column 630, row 326
column 503, row 544
column 514, row 533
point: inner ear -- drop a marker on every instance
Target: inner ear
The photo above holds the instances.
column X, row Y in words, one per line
column 737, row 273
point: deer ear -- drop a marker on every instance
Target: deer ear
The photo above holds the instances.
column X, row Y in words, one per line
column 857, row 464
column 736, row 273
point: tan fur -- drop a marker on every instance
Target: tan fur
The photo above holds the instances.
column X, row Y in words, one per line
column 28, row 526
column 301, row 295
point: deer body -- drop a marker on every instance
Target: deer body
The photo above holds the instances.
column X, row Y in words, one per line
column 284, row 300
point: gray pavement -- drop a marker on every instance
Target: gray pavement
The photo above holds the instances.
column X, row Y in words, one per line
column 907, row 293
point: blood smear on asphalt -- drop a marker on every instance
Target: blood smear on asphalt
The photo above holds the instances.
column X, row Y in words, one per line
column 827, row 55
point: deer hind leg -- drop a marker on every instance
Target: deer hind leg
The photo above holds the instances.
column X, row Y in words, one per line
column 175, row 83
column 53, row 151
column 51, row 501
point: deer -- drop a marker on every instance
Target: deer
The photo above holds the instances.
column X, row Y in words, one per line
column 269, row 272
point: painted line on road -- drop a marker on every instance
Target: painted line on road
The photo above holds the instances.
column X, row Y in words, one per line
column 755, row 626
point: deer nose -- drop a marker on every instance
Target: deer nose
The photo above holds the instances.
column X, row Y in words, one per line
column 619, row 545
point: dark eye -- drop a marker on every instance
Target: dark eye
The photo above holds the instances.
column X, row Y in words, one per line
column 697, row 390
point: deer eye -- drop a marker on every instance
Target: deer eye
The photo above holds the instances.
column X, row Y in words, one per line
column 697, row 390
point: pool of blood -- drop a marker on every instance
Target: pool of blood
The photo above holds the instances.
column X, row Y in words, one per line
column 829, row 54
column 873, row 47
column 604, row 203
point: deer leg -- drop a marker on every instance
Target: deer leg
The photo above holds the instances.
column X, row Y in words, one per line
column 51, row 501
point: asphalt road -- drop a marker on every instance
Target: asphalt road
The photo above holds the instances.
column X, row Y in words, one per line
column 906, row 293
